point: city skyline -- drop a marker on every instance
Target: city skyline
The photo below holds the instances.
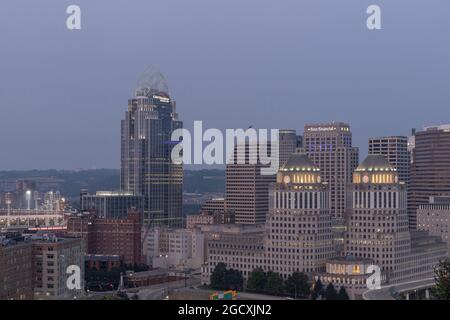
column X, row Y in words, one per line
column 66, row 89
column 224, row 150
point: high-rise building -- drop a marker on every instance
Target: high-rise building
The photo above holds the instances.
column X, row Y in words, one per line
column 299, row 230
column 108, row 204
column 247, row 189
column 329, row 146
column 412, row 143
column 52, row 256
column 434, row 217
column 395, row 150
column 289, row 142
column 16, row 268
column 377, row 225
column 430, row 170
column 297, row 236
column 36, row 265
column 146, row 165
column 214, row 205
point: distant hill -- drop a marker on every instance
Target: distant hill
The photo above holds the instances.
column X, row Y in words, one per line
column 70, row 182
column 204, row 181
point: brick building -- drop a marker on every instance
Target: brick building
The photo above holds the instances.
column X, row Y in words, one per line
column 33, row 266
column 120, row 237
column 16, row 272
column 52, row 256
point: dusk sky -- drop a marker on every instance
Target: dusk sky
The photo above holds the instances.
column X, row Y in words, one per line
column 230, row 63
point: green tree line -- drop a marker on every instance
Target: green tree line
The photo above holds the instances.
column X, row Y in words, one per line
column 297, row 285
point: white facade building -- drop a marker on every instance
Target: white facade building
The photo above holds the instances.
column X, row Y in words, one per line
column 174, row 248
column 435, row 218
column 377, row 225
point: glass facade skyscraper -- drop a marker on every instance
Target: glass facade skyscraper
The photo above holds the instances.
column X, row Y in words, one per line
column 146, row 165
column 109, row 204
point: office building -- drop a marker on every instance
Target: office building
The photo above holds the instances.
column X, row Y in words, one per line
column 377, row 225
column 214, row 205
column 34, row 266
column 395, row 151
column 434, row 217
column 146, row 165
column 297, row 236
column 103, row 262
column 16, row 268
column 289, row 142
column 213, row 211
column 112, row 236
column 109, row 204
column 430, row 170
column 52, row 256
column 208, row 217
column 239, row 246
column 329, row 146
column 299, row 230
column 174, row 248
column 247, row 190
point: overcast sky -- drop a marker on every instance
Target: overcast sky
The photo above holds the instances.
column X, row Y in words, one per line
column 230, row 63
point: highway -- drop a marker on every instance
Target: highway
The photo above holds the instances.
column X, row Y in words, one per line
column 160, row 291
column 388, row 292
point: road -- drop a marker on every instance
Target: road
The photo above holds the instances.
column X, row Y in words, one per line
column 160, row 291
column 386, row 292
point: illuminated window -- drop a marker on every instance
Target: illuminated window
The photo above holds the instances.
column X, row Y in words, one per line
column 356, row 269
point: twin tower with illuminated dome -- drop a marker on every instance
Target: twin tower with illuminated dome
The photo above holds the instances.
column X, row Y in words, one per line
column 299, row 171
column 299, row 224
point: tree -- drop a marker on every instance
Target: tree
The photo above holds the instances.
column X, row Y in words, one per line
column 274, row 284
column 330, row 292
column 101, row 280
column 441, row 289
column 218, row 277
column 225, row 279
column 342, row 294
column 257, row 280
column 297, row 284
column 317, row 290
column 234, row 279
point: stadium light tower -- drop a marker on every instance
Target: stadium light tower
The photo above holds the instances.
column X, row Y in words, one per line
column 8, row 203
column 28, row 197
